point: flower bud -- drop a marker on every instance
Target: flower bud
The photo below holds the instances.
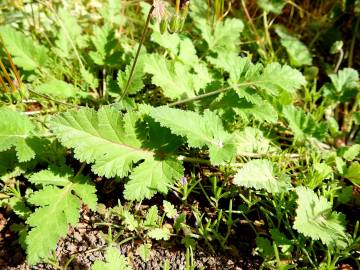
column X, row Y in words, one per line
column 163, row 25
column 175, row 24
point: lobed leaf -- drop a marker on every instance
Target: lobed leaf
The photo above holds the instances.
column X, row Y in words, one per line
column 100, row 138
column 200, row 130
column 173, row 77
column 259, row 174
column 113, row 142
column 315, row 219
column 114, row 261
column 152, row 176
column 303, row 125
column 26, row 53
column 16, row 130
column 57, row 208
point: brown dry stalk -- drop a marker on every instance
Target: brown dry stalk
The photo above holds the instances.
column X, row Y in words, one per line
column 7, row 76
column 14, row 69
column 2, row 83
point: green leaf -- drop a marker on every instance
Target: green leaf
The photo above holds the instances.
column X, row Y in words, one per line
column 152, row 216
column 315, row 219
column 102, row 138
column 169, row 210
column 52, row 176
column 260, row 111
column 274, row 6
column 187, row 52
column 69, row 35
column 110, row 12
column 352, row 152
column 168, row 41
column 129, row 220
column 173, row 77
column 344, row 85
column 240, row 69
column 282, row 241
column 136, row 83
column 273, row 78
column 200, row 130
column 265, row 247
column 159, row 234
column 323, row 170
column 345, row 80
column 114, row 261
column 303, row 125
column 252, row 140
column 114, row 142
column 104, row 41
column 89, row 78
column 57, row 88
column 298, row 53
column 223, row 35
column 19, row 207
column 259, row 174
column 152, row 176
column 16, row 130
column 353, row 173
column 57, row 208
column 144, row 252
column 26, row 53
column 276, row 79
column 345, row 194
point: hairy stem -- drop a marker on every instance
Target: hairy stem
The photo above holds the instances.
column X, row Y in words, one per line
column 137, row 53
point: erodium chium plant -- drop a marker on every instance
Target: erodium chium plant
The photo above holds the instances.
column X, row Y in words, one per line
column 215, row 125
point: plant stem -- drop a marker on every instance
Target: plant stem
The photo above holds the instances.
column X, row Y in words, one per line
column 246, row 12
column 194, row 160
column 54, row 100
column 83, row 165
column 137, row 53
column 267, row 34
column 104, row 92
column 224, row 89
column 341, row 56
column 353, row 42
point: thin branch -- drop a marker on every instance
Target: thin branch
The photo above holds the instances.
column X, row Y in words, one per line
column 52, row 99
column 208, row 94
column 137, row 53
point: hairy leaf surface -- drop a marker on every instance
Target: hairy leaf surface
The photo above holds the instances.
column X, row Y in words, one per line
column 57, row 208
column 199, row 130
column 100, row 138
column 315, row 219
column 26, row 52
column 259, row 174
column 16, row 130
column 113, row 142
